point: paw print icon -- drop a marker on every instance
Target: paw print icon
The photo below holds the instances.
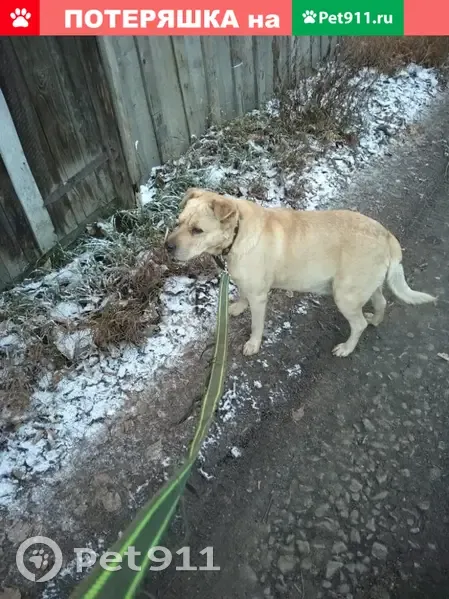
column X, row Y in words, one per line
column 39, row 559
column 309, row 17
column 45, row 561
column 20, row 17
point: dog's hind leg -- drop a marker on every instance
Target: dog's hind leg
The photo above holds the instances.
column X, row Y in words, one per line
column 350, row 305
column 379, row 305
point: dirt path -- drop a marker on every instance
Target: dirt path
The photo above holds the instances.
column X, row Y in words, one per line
column 342, row 488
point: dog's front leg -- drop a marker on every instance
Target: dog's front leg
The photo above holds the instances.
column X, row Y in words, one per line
column 258, row 306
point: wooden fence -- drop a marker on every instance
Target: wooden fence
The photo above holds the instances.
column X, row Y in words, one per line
column 167, row 90
column 84, row 120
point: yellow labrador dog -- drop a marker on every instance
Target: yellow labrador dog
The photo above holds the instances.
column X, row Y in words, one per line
column 336, row 252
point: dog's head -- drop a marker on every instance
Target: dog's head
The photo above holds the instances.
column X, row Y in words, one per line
column 206, row 224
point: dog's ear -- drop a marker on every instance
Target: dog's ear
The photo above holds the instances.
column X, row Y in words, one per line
column 192, row 192
column 223, row 209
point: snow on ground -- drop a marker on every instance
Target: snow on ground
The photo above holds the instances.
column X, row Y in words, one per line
column 393, row 104
column 58, row 419
column 60, row 416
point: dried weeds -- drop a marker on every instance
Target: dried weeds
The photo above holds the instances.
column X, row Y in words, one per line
column 387, row 54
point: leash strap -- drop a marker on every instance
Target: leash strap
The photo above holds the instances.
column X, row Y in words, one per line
column 152, row 521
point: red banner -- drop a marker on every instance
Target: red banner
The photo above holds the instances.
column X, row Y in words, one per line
column 426, row 18
column 159, row 17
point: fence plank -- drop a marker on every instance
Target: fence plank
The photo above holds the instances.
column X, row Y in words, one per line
column 164, row 95
column 217, row 61
column 122, row 65
column 48, row 99
column 294, row 60
column 23, row 181
column 305, row 55
column 192, row 77
column 315, row 51
column 210, row 69
column 281, row 62
column 5, row 277
column 284, row 60
column 242, row 64
column 225, row 77
column 117, row 186
column 264, row 67
column 333, row 42
column 18, row 248
column 325, row 47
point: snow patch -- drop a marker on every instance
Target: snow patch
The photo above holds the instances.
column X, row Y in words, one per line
column 58, row 419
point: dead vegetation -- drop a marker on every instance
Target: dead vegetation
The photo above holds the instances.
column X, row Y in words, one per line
column 132, row 310
column 387, row 54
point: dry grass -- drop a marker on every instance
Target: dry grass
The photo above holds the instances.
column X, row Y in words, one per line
column 387, row 54
column 19, row 376
column 326, row 110
column 303, row 121
column 132, row 304
column 132, row 310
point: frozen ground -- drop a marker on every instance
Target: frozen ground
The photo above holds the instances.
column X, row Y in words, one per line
column 68, row 410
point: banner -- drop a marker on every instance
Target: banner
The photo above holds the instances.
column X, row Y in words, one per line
column 224, row 17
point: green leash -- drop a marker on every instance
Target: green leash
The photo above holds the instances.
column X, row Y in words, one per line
column 147, row 529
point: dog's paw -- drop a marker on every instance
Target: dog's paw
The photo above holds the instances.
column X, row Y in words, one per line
column 372, row 319
column 237, row 308
column 342, row 350
column 251, row 347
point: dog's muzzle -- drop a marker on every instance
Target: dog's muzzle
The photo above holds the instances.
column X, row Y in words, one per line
column 170, row 246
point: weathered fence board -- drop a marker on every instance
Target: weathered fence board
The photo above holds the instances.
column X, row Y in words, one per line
column 281, row 61
column 264, row 68
column 17, row 245
column 23, row 181
column 122, row 65
column 60, row 106
column 225, row 77
column 242, row 63
column 164, row 95
column 220, row 88
column 315, row 51
column 192, row 78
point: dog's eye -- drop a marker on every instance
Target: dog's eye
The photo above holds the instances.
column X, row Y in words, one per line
column 196, row 231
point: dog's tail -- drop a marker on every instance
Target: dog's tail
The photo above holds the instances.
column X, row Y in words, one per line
column 396, row 278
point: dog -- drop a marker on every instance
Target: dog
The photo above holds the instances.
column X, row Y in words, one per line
column 338, row 252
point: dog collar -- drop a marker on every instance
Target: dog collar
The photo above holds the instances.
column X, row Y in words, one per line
column 219, row 259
